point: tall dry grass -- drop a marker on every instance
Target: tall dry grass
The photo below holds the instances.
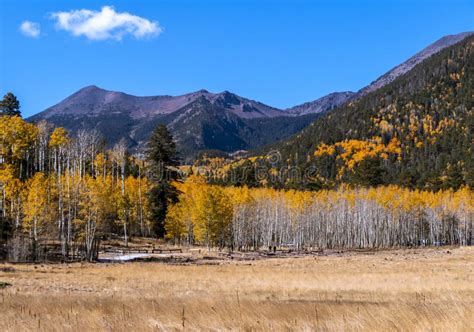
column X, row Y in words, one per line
column 393, row 290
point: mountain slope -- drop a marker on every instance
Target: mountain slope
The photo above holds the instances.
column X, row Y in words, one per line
column 415, row 131
column 408, row 65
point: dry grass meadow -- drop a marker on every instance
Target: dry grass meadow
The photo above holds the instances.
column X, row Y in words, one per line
column 422, row 289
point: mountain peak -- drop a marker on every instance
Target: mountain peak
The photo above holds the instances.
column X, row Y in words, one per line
column 201, row 92
column 90, row 88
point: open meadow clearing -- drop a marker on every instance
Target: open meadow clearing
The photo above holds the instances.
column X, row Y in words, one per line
column 409, row 289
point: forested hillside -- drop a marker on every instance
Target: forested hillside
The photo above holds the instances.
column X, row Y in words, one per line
column 203, row 126
column 416, row 132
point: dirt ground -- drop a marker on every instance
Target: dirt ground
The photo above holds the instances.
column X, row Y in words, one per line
column 406, row 289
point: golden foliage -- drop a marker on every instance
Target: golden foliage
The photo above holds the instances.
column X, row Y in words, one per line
column 16, row 137
column 208, row 211
column 59, row 137
column 353, row 152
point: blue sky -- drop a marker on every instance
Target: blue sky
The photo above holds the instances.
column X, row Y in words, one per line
column 279, row 52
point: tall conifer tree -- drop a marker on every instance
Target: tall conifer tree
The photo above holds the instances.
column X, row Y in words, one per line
column 162, row 159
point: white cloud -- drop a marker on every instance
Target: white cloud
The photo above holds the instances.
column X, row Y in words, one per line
column 30, row 29
column 105, row 24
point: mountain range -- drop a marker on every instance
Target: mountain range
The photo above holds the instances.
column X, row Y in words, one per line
column 204, row 121
column 200, row 121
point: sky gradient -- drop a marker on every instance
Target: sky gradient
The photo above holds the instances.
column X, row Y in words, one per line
column 281, row 53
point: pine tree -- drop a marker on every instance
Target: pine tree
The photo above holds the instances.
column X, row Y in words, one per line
column 369, row 173
column 162, row 159
column 10, row 105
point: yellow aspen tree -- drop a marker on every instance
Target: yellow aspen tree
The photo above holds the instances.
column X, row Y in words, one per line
column 58, row 143
column 175, row 225
column 35, row 207
column 17, row 139
column 213, row 217
column 96, row 205
column 11, row 188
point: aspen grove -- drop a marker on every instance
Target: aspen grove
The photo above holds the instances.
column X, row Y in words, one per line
column 249, row 219
column 70, row 191
column 57, row 188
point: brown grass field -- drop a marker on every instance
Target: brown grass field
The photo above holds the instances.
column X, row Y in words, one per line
column 409, row 289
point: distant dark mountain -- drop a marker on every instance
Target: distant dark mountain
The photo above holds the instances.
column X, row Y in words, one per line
column 92, row 101
column 199, row 121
